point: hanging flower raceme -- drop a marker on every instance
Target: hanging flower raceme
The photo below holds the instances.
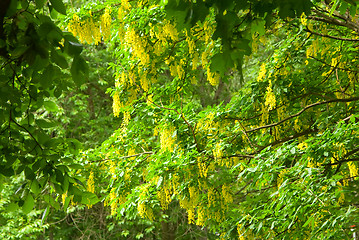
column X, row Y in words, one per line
column 106, row 25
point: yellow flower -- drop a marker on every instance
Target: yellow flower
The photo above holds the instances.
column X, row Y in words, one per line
column 168, row 138
column 190, row 215
column 303, row 19
column 218, row 153
column 170, row 30
column 270, row 100
column 302, row 145
column 116, row 105
column 91, row 183
column 201, row 216
column 211, row 197
column 262, row 72
column 213, row 78
column 226, row 194
column 106, row 25
column 353, row 170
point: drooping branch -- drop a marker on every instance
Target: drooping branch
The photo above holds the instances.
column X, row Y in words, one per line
column 346, row 22
column 124, row 157
column 294, row 136
column 302, row 111
column 332, row 37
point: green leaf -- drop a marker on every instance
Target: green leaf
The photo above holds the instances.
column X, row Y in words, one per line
column 74, row 145
column 160, row 179
column 76, row 166
column 258, row 27
column 7, row 172
column 139, row 235
column 51, row 106
column 73, row 48
column 79, row 70
column 59, row 6
column 40, row 3
column 29, row 174
column 335, row 5
column 45, row 123
column 59, row 59
column 35, row 187
column 28, row 204
column 44, row 215
column 89, row 198
column 221, row 63
column 11, row 207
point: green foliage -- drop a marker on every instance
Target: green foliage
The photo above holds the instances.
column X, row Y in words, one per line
column 239, row 118
column 33, row 49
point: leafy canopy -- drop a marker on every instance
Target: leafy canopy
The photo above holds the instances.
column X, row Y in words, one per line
column 241, row 114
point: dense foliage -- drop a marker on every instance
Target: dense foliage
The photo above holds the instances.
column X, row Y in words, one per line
column 238, row 118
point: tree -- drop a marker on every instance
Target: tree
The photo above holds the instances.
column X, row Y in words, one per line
column 277, row 159
column 270, row 151
column 35, row 55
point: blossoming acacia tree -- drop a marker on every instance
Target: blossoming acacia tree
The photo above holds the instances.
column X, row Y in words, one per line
column 276, row 161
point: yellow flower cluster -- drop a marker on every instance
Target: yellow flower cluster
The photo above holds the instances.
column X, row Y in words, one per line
column 137, row 45
column 144, row 211
column 262, row 72
column 87, row 31
column 63, row 197
column 219, row 216
column 206, row 123
column 212, row 77
column 190, row 204
column 270, row 100
column 208, row 29
column 91, row 183
column 353, row 170
column 312, row 50
column 186, row 204
column 105, row 21
column 190, row 213
column 165, row 32
column 194, row 196
column 168, row 138
column 175, row 183
column 311, row 163
column 201, row 216
column 116, row 105
column 240, row 232
column 202, row 167
column 206, row 55
column 303, row 19
column 280, row 177
column 112, row 200
column 145, row 83
column 211, row 197
column 342, row 196
column 170, row 30
column 218, row 153
column 112, row 168
column 164, row 195
column 296, row 126
column 191, row 43
column 226, row 194
column 302, row 146
column 177, row 69
column 265, row 116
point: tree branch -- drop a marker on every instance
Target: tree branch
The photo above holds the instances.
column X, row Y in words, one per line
column 303, row 110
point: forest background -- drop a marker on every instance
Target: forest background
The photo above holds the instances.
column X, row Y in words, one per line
column 179, row 119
